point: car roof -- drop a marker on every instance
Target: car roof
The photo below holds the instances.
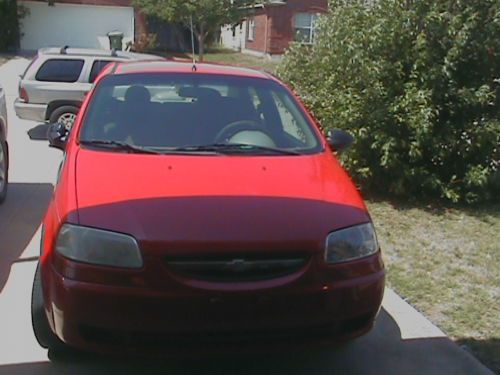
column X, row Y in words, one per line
column 187, row 67
column 66, row 51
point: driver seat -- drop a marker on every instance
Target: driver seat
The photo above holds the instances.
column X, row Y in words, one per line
column 135, row 108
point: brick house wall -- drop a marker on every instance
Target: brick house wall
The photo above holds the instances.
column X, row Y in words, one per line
column 259, row 42
column 274, row 25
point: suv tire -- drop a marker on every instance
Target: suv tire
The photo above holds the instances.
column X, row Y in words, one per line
column 4, row 167
column 41, row 328
column 65, row 114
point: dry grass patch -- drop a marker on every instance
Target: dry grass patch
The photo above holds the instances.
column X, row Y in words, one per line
column 241, row 59
column 446, row 263
column 233, row 58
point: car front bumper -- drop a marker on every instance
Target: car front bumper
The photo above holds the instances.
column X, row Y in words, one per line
column 109, row 318
column 29, row 111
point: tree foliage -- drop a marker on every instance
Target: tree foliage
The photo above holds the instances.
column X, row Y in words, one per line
column 207, row 15
column 418, row 84
column 10, row 14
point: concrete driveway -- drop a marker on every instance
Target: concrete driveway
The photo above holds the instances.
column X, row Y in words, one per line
column 402, row 342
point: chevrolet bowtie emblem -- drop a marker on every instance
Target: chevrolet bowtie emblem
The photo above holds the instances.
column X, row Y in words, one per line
column 237, row 265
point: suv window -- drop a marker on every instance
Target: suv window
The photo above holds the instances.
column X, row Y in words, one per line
column 60, row 70
column 97, row 67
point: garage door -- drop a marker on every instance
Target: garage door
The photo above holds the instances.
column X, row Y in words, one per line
column 73, row 25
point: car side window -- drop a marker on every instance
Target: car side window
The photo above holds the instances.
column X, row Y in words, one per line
column 60, row 70
column 290, row 118
column 97, row 68
column 254, row 96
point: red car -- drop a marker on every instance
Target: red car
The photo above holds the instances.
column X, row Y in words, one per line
column 201, row 206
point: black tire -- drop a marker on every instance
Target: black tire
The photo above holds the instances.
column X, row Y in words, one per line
column 41, row 328
column 5, row 157
column 61, row 111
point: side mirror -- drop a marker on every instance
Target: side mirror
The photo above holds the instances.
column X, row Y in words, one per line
column 39, row 132
column 57, row 135
column 338, row 139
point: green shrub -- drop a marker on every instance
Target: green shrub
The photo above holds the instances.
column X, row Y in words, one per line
column 418, row 84
column 10, row 14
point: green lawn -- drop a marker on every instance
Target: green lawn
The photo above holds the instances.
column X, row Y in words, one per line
column 446, row 263
column 240, row 59
column 229, row 57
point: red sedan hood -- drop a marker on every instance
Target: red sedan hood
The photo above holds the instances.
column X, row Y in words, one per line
column 186, row 202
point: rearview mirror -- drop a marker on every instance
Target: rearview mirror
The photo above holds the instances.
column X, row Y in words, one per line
column 338, row 139
column 57, row 135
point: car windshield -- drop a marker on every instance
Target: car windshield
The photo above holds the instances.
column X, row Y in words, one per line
column 196, row 113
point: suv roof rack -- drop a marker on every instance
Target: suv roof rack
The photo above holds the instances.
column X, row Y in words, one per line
column 92, row 52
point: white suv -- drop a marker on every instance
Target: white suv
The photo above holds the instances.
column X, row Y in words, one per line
column 55, row 83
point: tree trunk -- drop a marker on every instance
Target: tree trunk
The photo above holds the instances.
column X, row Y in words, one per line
column 201, row 46
column 201, row 42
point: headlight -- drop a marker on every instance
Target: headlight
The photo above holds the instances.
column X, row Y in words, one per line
column 97, row 246
column 351, row 243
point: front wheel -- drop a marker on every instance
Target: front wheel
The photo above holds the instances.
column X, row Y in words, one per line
column 41, row 328
column 65, row 115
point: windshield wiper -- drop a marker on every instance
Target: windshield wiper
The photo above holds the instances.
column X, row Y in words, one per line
column 119, row 146
column 235, row 148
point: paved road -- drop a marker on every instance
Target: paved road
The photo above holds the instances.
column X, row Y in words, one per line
column 402, row 342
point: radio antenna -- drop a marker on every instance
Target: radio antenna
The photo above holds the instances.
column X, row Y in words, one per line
column 192, row 43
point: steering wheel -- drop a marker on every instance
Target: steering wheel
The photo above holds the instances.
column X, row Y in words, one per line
column 230, row 130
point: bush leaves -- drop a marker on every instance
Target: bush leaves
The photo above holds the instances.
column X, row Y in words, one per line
column 417, row 83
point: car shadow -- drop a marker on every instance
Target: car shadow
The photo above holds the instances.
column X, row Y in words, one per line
column 20, row 218
column 382, row 351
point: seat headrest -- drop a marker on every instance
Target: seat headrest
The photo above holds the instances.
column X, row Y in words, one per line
column 137, row 94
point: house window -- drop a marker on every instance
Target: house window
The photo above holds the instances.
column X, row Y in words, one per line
column 251, row 29
column 305, row 27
